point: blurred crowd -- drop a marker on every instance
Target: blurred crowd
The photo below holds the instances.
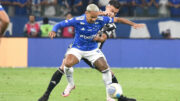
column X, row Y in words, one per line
column 52, row 8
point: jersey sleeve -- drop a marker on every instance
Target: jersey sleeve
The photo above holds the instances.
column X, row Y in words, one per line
column 108, row 19
column 65, row 23
column 1, row 8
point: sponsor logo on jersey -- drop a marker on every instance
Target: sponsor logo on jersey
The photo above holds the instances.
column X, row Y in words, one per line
column 80, row 18
column 87, row 37
column 96, row 23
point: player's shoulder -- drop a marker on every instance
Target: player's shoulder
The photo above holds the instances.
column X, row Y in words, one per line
column 80, row 18
column 102, row 18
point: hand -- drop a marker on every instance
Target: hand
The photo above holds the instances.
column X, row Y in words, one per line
column 96, row 38
column 136, row 26
column 52, row 34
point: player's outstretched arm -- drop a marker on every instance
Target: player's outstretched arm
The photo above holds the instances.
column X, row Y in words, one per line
column 4, row 22
column 125, row 21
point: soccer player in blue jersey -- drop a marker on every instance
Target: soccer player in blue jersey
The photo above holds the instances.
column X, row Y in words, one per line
column 58, row 74
column 4, row 21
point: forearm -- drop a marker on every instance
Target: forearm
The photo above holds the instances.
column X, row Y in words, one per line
column 101, row 38
column 57, row 26
column 124, row 21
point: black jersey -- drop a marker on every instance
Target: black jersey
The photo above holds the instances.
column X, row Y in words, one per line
column 108, row 29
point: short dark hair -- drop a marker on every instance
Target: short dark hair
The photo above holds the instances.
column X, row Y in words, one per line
column 45, row 20
column 68, row 13
column 115, row 3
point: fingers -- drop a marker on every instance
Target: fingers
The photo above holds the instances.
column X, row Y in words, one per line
column 136, row 26
column 52, row 34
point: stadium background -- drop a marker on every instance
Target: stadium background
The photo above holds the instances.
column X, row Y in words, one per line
column 129, row 52
column 147, row 47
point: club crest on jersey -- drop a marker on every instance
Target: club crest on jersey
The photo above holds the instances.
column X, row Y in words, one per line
column 96, row 23
column 66, row 21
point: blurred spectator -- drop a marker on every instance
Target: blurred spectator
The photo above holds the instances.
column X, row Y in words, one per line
column 21, row 7
column 7, row 4
column 153, row 6
column 68, row 32
column 166, row 34
column 174, row 7
column 49, row 7
column 141, row 7
column 35, row 7
column 45, row 27
column 62, row 8
column 124, row 8
column 163, row 8
column 102, row 4
column 75, row 7
column 93, row 2
column 31, row 29
column 131, row 7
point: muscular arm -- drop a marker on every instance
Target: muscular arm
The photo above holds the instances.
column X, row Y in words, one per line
column 100, row 38
column 4, row 22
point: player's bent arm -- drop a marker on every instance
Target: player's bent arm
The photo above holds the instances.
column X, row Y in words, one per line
column 4, row 21
column 101, row 38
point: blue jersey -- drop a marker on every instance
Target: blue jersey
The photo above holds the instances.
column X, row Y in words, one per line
column 1, row 8
column 84, row 31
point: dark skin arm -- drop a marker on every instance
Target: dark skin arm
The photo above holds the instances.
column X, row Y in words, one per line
column 101, row 38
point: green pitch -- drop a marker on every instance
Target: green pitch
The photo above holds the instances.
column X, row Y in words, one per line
column 144, row 84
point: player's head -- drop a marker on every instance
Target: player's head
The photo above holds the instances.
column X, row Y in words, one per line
column 32, row 18
column 45, row 20
column 91, row 13
column 68, row 15
column 113, row 7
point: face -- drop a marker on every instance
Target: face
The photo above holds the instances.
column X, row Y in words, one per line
column 112, row 9
column 31, row 18
column 69, row 16
column 91, row 16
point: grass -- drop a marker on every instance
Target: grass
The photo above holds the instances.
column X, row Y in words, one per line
column 29, row 84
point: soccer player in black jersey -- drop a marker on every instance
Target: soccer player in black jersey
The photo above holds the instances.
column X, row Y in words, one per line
column 111, row 10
